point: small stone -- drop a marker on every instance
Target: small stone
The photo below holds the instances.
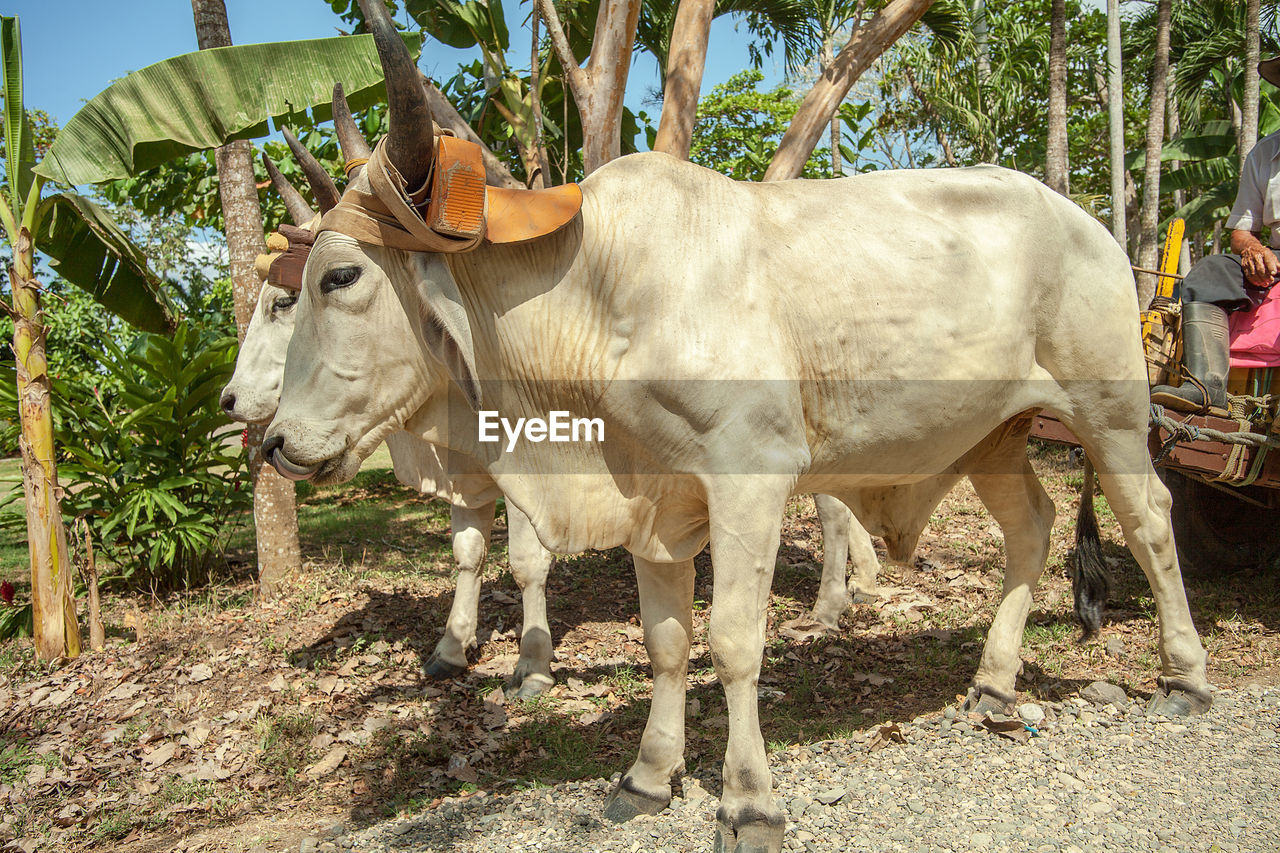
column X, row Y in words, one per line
column 830, row 796
column 949, row 712
column 1098, row 808
column 308, row 844
column 916, row 806
column 327, row 847
column 980, row 839
column 1103, row 693
column 1115, row 647
column 1031, row 713
column 804, row 837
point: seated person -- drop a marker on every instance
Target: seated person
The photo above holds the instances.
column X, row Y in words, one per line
column 1216, row 285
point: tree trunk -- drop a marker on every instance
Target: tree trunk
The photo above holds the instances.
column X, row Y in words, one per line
column 816, row 110
column 1115, row 110
column 598, row 89
column 1056, row 169
column 688, row 57
column 1249, row 109
column 543, row 178
column 275, row 513
column 53, row 606
column 1149, row 240
column 981, row 34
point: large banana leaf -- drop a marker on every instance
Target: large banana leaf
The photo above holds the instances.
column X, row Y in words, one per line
column 1209, row 207
column 207, row 98
column 1200, row 174
column 89, row 250
column 17, row 128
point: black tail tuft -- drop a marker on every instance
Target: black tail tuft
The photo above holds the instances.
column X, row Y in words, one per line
column 1090, row 580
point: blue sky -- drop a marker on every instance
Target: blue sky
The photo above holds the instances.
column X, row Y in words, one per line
column 73, row 49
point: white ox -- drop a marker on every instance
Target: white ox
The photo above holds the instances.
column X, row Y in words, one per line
column 865, row 338
column 253, row 393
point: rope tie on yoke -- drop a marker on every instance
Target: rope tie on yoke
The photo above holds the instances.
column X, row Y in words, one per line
column 1181, row 431
column 353, row 163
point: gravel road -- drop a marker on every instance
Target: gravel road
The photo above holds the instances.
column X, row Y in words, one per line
column 1095, row 777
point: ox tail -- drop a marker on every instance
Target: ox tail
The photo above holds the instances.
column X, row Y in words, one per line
column 1090, row 580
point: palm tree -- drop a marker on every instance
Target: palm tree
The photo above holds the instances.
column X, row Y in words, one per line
column 1056, row 172
column 1115, row 113
column 1149, row 221
column 275, row 510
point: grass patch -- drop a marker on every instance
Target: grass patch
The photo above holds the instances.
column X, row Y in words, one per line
column 284, row 743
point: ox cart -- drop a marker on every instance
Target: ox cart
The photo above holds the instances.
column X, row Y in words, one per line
column 1221, row 471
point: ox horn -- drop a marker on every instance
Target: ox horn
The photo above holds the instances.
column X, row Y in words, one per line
column 410, row 141
column 299, row 211
column 350, row 139
column 322, row 185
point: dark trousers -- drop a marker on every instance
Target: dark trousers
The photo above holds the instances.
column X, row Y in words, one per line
column 1220, row 279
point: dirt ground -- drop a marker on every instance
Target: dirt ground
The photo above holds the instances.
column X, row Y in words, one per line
column 213, row 722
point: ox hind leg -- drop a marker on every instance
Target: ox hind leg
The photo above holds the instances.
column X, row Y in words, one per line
column 1141, row 504
column 1011, row 492
column 666, row 611
column 843, row 536
column 471, row 529
column 530, row 565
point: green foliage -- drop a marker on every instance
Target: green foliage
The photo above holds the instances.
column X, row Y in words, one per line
column 739, row 127
column 156, row 465
column 204, row 99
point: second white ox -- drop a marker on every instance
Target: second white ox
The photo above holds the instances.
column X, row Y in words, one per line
column 253, row 394
column 864, row 338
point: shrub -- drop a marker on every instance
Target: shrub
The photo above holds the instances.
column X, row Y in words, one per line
column 154, row 466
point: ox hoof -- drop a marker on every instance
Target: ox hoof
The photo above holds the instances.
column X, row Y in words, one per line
column 763, row 835
column 984, row 702
column 861, row 597
column 529, row 685
column 440, row 669
column 1174, row 699
column 628, row 801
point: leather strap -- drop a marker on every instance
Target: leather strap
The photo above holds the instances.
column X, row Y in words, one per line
column 460, row 213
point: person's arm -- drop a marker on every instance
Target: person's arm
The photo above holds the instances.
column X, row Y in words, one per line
column 1259, row 263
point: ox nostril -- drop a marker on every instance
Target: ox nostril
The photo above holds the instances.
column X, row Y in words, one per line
column 228, row 403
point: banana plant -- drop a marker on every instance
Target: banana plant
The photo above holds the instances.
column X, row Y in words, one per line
column 89, row 250
column 189, row 103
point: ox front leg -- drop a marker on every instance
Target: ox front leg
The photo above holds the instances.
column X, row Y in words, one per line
column 471, row 529
column 837, row 523
column 666, row 610
column 1025, row 515
column 745, row 530
column 530, row 564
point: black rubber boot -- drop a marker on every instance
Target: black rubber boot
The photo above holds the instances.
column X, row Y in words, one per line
column 1205, row 361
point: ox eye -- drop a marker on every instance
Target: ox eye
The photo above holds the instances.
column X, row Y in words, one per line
column 284, row 303
column 339, row 277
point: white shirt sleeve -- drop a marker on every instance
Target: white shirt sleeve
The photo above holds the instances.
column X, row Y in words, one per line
column 1247, row 212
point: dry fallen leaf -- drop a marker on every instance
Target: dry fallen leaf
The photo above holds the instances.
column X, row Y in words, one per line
column 803, row 630
column 1012, row 729
column 201, row 672
column 332, row 759
column 160, row 755
column 888, row 733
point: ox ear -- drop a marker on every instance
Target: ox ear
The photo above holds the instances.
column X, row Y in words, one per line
column 446, row 329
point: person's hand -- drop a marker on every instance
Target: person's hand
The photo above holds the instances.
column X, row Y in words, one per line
column 1260, row 265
